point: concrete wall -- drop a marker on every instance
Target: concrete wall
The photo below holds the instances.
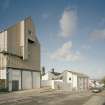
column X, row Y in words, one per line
column 17, row 44
column 27, row 79
column 53, row 84
column 36, row 79
column 16, row 75
column 3, row 41
column 3, row 61
column 13, row 75
column 19, row 52
column 3, row 73
column 47, row 83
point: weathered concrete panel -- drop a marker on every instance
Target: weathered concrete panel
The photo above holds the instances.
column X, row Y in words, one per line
column 26, row 80
column 36, row 79
column 16, row 75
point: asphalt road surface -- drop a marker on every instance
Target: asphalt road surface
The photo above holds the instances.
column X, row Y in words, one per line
column 45, row 98
column 97, row 99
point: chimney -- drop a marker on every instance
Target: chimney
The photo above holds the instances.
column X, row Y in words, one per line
column 43, row 70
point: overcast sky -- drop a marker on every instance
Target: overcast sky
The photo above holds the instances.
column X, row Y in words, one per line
column 71, row 32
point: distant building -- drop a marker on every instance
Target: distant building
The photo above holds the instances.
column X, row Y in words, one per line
column 70, row 80
column 77, row 81
column 51, row 76
column 19, row 57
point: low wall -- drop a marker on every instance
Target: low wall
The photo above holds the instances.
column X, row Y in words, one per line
column 58, row 84
column 55, row 84
column 46, row 83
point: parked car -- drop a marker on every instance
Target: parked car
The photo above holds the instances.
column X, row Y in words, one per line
column 96, row 90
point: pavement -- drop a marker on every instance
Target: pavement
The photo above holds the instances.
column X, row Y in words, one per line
column 97, row 99
column 50, row 97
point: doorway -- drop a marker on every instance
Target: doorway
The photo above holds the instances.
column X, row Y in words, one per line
column 15, row 85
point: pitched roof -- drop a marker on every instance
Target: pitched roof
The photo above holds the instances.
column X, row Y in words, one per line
column 78, row 74
column 55, row 73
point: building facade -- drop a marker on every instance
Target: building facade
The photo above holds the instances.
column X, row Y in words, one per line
column 68, row 80
column 51, row 76
column 20, row 56
column 77, row 81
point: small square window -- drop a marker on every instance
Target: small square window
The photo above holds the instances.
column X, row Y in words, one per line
column 29, row 32
column 61, row 77
column 70, row 78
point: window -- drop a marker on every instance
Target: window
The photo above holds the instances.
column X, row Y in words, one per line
column 52, row 78
column 69, row 78
column 29, row 32
column 61, row 77
column 30, row 41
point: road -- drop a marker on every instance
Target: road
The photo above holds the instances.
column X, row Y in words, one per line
column 46, row 98
column 97, row 99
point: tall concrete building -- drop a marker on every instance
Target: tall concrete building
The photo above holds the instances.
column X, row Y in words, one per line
column 20, row 57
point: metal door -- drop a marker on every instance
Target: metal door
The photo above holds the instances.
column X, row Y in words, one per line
column 15, row 85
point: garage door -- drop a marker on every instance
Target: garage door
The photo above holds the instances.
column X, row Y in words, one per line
column 26, row 80
column 15, row 85
column 16, row 76
column 36, row 80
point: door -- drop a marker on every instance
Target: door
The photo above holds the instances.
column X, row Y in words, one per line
column 36, row 79
column 15, row 85
column 26, row 80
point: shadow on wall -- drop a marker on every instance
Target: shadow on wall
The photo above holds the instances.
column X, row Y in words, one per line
column 103, row 104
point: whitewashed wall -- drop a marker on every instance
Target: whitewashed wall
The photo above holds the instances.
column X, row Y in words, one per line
column 71, row 84
column 69, row 75
column 47, row 83
column 53, row 84
column 74, row 86
column 45, row 77
column 58, row 84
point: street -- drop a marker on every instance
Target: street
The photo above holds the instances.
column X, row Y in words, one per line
column 47, row 98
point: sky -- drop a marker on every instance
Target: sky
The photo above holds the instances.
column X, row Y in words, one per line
column 71, row 32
